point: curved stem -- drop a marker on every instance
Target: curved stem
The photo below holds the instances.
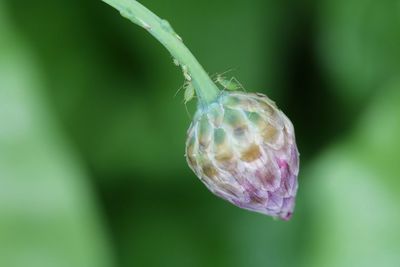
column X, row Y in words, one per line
column 205, row 88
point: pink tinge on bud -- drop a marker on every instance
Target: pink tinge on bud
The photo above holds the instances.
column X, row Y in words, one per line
column 242, row 147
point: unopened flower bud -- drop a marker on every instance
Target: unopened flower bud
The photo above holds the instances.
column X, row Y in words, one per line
column 243, row 148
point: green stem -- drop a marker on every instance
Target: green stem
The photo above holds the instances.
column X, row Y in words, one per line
column 206, row 89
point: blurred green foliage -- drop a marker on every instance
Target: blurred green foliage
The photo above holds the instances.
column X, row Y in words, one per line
column 92, row 171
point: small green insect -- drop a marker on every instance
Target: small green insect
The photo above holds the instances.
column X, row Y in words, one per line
column 186, row 74
column 232, row 84
column 189, row 91
column 176, row 62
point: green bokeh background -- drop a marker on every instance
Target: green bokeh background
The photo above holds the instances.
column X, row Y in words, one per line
column 92, row 172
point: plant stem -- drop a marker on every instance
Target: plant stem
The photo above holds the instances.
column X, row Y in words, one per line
column 206, row 89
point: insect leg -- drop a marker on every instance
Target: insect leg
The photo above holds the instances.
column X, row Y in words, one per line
column 241, row 86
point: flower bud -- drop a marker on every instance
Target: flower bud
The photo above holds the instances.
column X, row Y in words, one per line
column 242, row 147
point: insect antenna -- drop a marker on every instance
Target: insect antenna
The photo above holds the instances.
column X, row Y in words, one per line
column 222, row 73
column 179, row 89
column 186, row 108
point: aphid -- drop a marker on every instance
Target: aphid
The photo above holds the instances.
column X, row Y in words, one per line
column 186, row 73
column 232, row 84
column 188, row 95
column 176, row 62
column 189, row 91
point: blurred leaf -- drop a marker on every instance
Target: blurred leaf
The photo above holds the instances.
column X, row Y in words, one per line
column 353, row 190
column 359, row 45
column 47, row 211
